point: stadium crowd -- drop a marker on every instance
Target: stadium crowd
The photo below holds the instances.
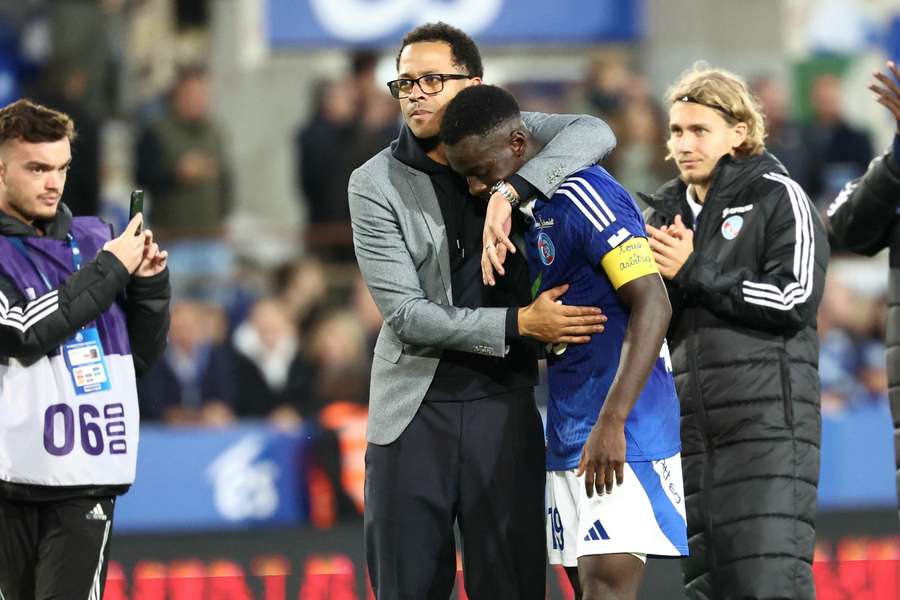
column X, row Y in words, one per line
column 293, row 343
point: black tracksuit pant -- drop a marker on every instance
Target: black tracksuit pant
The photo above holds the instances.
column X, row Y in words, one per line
column 55, row 550
column 480, row 463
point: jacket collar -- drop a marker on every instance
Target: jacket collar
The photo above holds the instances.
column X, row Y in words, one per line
column 56, row 228
column 729, row 178
column 411, row 151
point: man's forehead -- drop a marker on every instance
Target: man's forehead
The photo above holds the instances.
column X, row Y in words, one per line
column 691, row 113
column 420, row 58
column 50, row 153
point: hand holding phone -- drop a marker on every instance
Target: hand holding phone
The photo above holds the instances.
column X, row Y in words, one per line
column 137, row 206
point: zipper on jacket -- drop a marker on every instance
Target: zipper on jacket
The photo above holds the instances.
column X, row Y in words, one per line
column 706, row 480
column 704, row 222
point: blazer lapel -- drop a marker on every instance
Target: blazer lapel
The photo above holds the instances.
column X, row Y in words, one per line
column 423, row 192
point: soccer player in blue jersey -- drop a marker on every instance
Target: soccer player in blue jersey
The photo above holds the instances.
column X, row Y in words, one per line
column 614, row 490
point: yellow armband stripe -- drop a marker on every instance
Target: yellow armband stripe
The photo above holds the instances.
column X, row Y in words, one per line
column 628, row 261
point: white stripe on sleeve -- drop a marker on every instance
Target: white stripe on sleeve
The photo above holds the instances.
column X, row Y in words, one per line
column 796, row 292
column 33, row 312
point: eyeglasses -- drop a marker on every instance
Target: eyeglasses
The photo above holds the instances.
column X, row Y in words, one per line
column 430, row 84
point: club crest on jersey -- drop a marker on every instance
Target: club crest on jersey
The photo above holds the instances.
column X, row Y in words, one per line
column 545, row 249
column 732, row 227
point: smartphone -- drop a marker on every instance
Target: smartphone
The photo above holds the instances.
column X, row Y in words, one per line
column 137, row 206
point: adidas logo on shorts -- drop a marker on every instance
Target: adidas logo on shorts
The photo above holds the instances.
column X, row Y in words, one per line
column 596, row 532
column 96, row 514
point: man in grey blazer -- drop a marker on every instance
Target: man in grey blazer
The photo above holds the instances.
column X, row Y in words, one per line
column 454, row 435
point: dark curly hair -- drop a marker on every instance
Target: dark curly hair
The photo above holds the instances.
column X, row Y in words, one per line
column 477, row 110
column 24, row 119
column 462, row 47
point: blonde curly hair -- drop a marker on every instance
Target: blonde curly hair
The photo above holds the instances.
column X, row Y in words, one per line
column 728, row 94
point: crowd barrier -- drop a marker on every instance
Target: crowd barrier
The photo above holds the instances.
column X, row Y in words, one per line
column 252, row 475
column 222, row 514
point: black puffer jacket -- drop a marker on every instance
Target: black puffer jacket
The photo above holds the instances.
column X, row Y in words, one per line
column 81, row 299
column 745, row 355
column 864, row 219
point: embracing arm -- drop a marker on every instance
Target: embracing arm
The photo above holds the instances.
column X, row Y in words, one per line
column 570, row 143
column 391, row 275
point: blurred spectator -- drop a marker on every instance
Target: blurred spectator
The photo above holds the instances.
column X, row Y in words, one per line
column 837, row 349
column 872, row 375
column 339, row 352
column 63, row 86
column 379, row 115
column 272, row 379
column 87, row 47
column 839, row 152
column 301, row 287
column 181, row 161
column 268, row 339
column 192, row 383
column 323, row 146
column 606, row 87
column 639, row 161
column 352, row 119
column 785, row 136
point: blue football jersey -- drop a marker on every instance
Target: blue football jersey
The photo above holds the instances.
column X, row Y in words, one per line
column 590, row 215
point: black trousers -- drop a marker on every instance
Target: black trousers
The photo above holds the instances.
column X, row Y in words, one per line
column 479, row 463
column 54, row 550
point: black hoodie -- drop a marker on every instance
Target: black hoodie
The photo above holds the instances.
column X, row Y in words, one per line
column 463, row 375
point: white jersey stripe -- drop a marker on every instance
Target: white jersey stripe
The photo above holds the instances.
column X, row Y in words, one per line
column 600, row 202
column 587, row 201
column 580, row 206
column 769, row 295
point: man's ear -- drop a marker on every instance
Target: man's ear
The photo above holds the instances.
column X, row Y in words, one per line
column 740, row 135
column 518, row 142
column 475, row 81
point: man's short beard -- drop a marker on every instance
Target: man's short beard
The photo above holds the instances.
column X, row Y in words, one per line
column 696, row 179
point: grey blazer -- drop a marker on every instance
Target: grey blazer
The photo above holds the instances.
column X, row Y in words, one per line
column 402, row 250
